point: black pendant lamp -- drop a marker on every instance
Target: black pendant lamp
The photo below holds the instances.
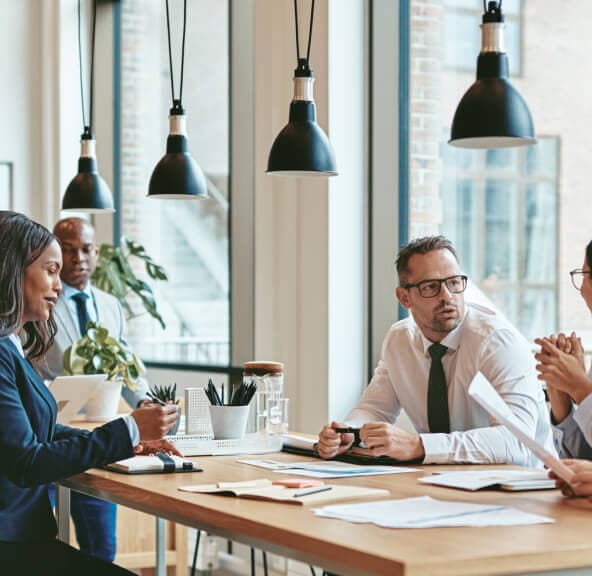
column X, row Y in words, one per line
column 87, row 192
column 302, row 148
column 492, row 113
column 177, row 176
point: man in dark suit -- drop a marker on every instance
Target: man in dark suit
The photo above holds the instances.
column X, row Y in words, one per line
column 79, row 303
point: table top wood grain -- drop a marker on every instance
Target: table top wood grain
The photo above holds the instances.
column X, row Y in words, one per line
column 348, row 548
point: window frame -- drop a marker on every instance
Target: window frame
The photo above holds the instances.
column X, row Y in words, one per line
column 241, row 169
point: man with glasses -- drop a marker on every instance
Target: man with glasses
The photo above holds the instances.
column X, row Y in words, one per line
column 428, row 362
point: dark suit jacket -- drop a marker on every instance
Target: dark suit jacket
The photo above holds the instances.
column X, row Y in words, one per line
column 35, row 451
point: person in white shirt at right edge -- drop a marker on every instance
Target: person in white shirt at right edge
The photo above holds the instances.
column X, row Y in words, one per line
column 451, row 426
column 561, row 367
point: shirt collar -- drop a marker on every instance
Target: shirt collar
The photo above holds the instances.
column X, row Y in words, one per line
column 69, row 291
column 451, row 340
column 17, row 342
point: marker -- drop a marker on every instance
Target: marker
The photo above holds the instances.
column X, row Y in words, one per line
column 314, row 491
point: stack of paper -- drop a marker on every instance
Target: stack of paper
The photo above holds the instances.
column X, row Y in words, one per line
column 326, row 469
column 426, row 512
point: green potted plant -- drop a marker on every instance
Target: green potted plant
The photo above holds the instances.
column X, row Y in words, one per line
column 99, row 353
column 115, row 276
column 166, row 394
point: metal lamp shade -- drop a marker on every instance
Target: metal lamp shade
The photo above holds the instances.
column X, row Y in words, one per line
column 87, row 192
column 492, row 114
column 302, row 148
column 177, row 176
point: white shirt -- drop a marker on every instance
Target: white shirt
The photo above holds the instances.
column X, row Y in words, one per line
column 483, row 342
column 132, row 427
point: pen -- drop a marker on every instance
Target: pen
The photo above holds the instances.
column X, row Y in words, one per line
column 350, row 430
column 347, row 430
column 313, row 491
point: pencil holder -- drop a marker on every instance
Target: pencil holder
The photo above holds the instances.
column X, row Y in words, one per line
column 228, row 421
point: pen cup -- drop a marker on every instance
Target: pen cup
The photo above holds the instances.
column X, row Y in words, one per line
column 228, row 422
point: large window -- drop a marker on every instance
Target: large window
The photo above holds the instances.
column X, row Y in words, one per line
column 499, row 207
column 189, row 238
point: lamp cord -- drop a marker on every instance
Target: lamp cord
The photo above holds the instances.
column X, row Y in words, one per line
column 87, row 127
column 312, row 7
column 176, row 103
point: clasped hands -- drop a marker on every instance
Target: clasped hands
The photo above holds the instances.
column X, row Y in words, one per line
column 379, row 438
column 561, row 367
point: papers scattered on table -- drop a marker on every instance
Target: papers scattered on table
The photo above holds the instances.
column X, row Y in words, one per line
column 263, row 489
column 504, row 479
column 485, row 394
column 426, row 512
column 325, row 469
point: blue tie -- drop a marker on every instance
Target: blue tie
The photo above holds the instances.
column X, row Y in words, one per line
column 83, row 319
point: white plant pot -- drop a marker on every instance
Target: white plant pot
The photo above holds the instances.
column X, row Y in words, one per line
column 104, row 401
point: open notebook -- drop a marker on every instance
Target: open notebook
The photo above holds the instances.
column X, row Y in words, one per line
column 263, row 489
column 510, row 480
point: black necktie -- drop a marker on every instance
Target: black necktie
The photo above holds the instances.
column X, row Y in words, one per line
column 438, row 417
column 83, row 319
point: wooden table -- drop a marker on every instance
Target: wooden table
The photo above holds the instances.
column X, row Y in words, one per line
column 358, row 549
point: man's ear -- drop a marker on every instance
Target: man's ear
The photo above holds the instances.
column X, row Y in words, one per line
column 403, row 297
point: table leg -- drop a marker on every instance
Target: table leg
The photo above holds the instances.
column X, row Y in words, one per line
column 161, row 565
column 63, row 513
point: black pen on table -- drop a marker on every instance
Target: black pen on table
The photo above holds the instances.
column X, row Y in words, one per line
column 313, row 491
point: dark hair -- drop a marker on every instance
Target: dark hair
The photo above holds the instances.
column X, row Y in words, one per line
column 421, row 246
column 21, row 242
column 589, row 254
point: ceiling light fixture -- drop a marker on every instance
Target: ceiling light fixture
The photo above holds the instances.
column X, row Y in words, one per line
column 492, row 113
column 302, row 148
column 87, row 192
column 177, row 175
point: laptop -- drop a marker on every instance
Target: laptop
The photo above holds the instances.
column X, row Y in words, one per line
column 485, row 394
column 71, row 393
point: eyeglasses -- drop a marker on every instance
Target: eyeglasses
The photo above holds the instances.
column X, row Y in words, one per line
column 577, row 277
column 431, row 288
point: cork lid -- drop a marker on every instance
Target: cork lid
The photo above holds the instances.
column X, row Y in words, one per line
column 261, row 367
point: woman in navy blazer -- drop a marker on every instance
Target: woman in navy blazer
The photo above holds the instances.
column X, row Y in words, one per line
column 34, row 450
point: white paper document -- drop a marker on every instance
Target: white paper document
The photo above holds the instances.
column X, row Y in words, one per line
column 426, row 512
column 326, row 469
column 492, row 478
column 485, row 394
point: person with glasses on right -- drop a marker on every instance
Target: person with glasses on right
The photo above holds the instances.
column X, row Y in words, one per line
column 427, row 363
column 561, row 366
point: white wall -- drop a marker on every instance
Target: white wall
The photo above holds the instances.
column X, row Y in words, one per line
column 20, row 101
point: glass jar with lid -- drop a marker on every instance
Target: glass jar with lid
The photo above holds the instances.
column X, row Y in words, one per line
column 269, row 378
